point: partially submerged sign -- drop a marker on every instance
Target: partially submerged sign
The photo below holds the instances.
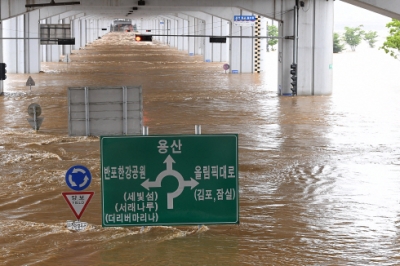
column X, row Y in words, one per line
column 103, row 111
column 169, row 180
column 76, row 225
column 34, row 111
column 30, row 82
column 78, row 201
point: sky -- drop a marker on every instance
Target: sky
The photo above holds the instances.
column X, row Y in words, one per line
column 347, row 15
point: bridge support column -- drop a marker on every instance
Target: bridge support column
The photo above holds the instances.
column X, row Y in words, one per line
column 32, row 42
column 163, row 30
column 199, row 30
column 173, row 31
column 105, row 27
column 241, row 53
column 191, row 27
column 82, row 25
column 14, row 44
column 66, row 49
column 181, row 29
column 315, row 49
column 52, row 53
column 216, row 52
column 1, row 56
column 209, row 29
column 89, row 31
column 76, row 32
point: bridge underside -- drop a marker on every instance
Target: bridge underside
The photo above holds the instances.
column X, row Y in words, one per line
column 387, row 8
column 186, row 25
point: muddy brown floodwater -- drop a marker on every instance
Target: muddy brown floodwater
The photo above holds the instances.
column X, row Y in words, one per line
column 319, row 176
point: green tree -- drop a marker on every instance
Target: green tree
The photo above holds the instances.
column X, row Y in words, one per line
column 353, row 36
column 272, row 31
column 392, row 44
column 337, row 45
column 370, row 37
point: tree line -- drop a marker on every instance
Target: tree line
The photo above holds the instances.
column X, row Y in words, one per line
column 354, row 36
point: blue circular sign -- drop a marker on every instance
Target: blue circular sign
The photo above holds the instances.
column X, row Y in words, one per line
column 78, row 177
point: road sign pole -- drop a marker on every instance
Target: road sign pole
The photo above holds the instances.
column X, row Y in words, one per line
column 197, row 131
column 145, row 132
column 34, row 117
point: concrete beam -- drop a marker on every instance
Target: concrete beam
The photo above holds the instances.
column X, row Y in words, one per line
column 12, row 8
column 119, row 8
column 387, row 8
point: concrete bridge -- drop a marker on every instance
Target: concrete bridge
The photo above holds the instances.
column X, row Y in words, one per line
column 305, row 32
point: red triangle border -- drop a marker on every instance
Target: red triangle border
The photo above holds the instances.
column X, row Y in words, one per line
column 77, row 215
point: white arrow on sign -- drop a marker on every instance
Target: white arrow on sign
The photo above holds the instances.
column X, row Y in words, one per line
column 75, row 171
column 73, row 184
column 78, row 170
column 85, row 180
column 170, row 172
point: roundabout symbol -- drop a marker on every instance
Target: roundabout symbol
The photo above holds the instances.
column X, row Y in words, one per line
column 170, row 172
column 78, row 178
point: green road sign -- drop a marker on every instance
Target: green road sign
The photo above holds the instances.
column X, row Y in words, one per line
column 169, row 180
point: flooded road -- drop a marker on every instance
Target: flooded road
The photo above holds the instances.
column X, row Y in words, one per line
column 319, row 176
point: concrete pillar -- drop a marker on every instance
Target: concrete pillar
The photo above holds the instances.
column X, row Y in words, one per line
column 191, row 44
column 199, row 41
column 182, row 29
column 76, row 32
column 10, row 46
column 83, row 32
column 32, row 42
column 156, row 28
column 43, row 48
column 92, row 31
column 104, row 27
column 173, row 31
column 241, row 55
column 1, row 56
column 216, row 47
column 315, row 55
column 186, row 32
column 21, row 44
column 66, row 49
column 52, row 51
column 89, row 31
column 152, row 26
column 208, row 47
column 168, row 32
column 97, row 29
column 226, row 26
column 162, row 30
column 247, row 46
